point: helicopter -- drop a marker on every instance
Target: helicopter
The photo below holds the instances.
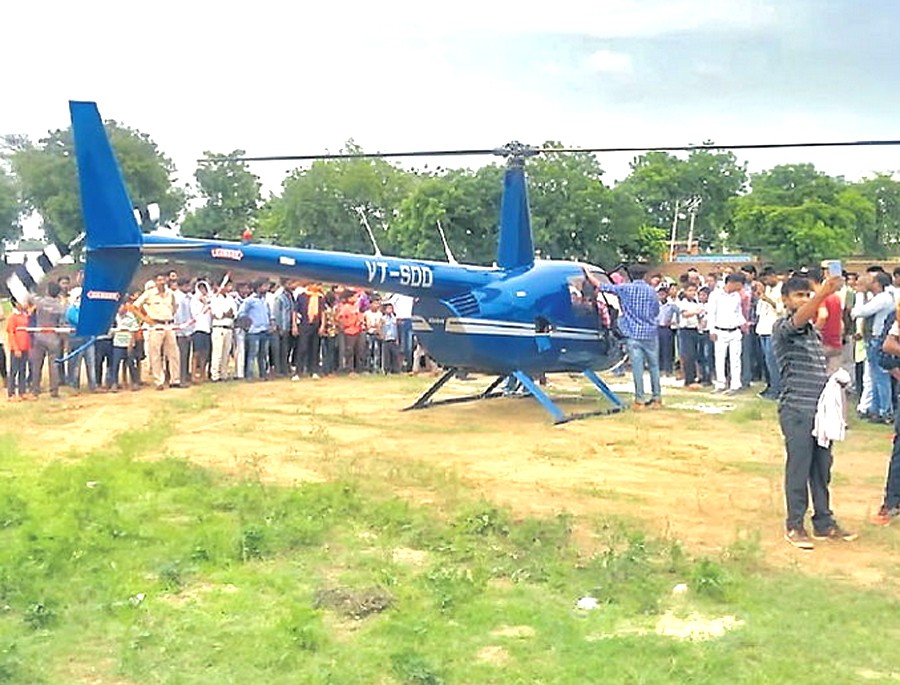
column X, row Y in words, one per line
column 518, row 319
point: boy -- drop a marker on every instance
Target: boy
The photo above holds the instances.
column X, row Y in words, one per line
column 19, row 351
column 801, row 362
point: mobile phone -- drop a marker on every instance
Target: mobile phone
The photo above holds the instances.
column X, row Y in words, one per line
column 835, row 268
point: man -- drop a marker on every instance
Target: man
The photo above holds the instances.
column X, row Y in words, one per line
column 890, row 505
column 830, row 324
column 769, row 308
column 640, row 307
column 49, row 312
column 283, row 315
column 726, row 321
column 223, row 310
column 876, row 312
column 801, row 360
column 156, row 308
column 389, row 333
column 689, row 312
column 308, row 307
column 184, row 325
column 665, row 322
column 257, row 311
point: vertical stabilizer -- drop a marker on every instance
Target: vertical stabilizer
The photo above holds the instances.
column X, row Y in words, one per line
column 113, row 237
column 516, row 247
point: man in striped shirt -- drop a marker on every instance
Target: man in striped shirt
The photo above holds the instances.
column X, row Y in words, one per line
column 801, row 362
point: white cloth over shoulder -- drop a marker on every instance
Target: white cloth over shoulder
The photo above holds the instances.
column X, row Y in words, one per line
column 829, row 423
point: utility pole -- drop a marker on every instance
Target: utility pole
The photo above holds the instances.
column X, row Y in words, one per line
column 674, row 230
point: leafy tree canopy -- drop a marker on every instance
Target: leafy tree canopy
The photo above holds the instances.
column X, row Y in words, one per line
column 48, row 177
column 232, row 198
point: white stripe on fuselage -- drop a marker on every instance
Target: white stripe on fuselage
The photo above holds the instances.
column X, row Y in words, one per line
column 469, row 326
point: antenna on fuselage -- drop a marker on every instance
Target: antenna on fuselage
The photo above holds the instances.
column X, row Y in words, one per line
column 365, row 222
column 450, row 258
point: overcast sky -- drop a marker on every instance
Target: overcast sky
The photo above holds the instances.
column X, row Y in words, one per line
column 300, row 78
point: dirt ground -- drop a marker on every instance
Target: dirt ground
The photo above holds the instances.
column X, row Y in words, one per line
column 708, row 480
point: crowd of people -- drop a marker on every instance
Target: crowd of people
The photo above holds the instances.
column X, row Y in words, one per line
column 188, row 331
column 815, row 338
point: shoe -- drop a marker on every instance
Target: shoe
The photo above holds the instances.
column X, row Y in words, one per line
column 799, row 538
column 638, row 406
column 731, row 392
column 654, row 404
column 295, row 377
column 315, row 376
column 885, row 516
column 835, row 532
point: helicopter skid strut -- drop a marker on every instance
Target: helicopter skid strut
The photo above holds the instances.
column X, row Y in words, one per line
column 528, row 383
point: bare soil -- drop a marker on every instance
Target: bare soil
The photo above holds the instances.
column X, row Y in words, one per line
column 706, row 480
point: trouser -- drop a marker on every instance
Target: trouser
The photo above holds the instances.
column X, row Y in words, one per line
column 201, row 343
column 184, row 359
column 124, row 359
column 17, row 380
column 162, row 347
column 220, row 339
column 240, row 352
column 274, row 341
column 750, row 358
column 390, row 356
column 405, row 330
column 373, row 352
column 666, row 349
column 330, row 360
column 103, row 351
column 892, row 483
column 3, row 373
column 45, row 345
column 881, row 381
column 257, row 355
column 306, row 357
column 705, row 357
column 354, row 352
column 689, row 347
column 285, row 345
column 644, row 354
column 807, row 470
column 728, row 343
column 89, row 356
column 772, row 372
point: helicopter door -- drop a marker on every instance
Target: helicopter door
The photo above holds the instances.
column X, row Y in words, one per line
column 591, row 307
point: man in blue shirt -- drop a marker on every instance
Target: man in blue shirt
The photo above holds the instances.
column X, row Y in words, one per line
column 257, row 311
column 639, row 305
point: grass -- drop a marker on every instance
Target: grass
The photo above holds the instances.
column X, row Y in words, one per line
column 119, row 569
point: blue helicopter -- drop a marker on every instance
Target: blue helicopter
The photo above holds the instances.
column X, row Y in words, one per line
column 520, row 318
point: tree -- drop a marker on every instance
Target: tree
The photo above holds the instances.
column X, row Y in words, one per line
column 659, row 180
column 575, row 216
column 232, row 198
column 49, row 181
column 321, row 206
column 798, row 215
column 10, row 207
column 467, row 203
column 884, row 194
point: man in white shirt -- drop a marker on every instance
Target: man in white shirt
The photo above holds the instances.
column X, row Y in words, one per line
column 726, row 323
column 223, row 309
column 878, row 309
column 769, row 308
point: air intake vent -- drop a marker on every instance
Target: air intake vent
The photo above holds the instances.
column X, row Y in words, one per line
column 464, row 305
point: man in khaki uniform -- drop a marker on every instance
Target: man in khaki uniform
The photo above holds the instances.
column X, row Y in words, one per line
column 157, row 309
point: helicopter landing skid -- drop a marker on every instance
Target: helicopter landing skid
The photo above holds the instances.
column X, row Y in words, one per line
column 425, row 400
column 532, row 388
column 557, row 413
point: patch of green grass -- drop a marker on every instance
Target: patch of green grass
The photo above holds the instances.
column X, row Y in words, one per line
column 747, row 413
column 113, row 568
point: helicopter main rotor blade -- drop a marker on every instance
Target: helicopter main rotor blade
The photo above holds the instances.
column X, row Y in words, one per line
column 515, row 149
column 358, row 155
column 713, row 146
